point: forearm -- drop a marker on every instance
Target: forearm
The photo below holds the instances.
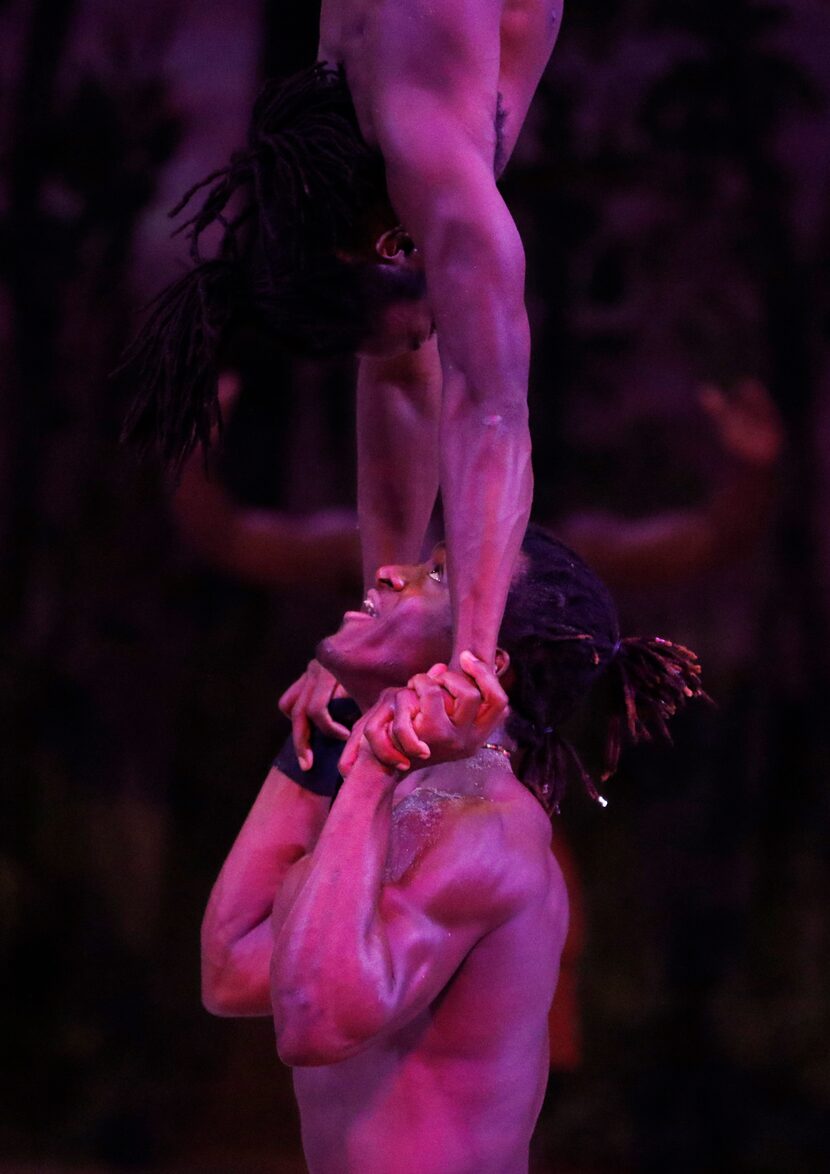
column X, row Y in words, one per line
column 331, row 974
column 282, row 826
column 486, row 474
column 475, row 272
column 487, row 486
column 398, row 420
column 477, row 275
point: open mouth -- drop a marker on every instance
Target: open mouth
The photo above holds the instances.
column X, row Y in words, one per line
column 370, row 604
column 368, row 609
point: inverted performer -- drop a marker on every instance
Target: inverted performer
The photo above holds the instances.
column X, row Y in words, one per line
column 365, row 217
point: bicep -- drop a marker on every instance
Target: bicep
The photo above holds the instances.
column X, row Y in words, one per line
column 288, row 892
column 439, row 168
column 460, row 889
column 425, row 951
column 435, row 95
column 281, row 827
column 241, row 989
column 451, row 51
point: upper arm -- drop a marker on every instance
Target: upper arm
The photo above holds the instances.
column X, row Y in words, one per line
column 468, row 882
column 435, row 101
column 436, row 62
column 236, row 940
column 435, row 94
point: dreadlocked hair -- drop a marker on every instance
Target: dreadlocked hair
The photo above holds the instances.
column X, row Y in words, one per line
column 561, row 630
column 302, row 191
column 174, row 360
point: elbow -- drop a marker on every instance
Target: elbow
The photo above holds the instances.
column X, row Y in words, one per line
column 215, row 1003
column 312, row 1030
column 219, row 983
column 297, row 1048
column 224, row 995
column 233, row 990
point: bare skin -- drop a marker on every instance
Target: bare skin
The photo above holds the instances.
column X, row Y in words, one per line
column 426, row 81
column 416, row 929
column 261, row 546
column 674, row 546
column 430, row 83
column 666, row 547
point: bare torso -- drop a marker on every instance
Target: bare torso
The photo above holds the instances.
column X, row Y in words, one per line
column 457, row 1090
column 354, row 33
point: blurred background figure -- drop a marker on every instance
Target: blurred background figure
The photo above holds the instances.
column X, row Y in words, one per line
column 675, row 546
column 671, row 549
column 250, row 542
column 672, row 194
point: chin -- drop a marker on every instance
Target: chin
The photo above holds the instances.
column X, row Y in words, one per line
column 326, row 653
column 368, row 655
column 362, row 672
column 383, row 348
column 358, row 675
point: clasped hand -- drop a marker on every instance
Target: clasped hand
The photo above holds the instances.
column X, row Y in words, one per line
column 439, row 716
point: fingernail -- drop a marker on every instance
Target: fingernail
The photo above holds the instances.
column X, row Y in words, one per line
column 306, row 761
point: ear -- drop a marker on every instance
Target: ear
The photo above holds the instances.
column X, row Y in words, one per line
column 502, row 662
column 394, row 246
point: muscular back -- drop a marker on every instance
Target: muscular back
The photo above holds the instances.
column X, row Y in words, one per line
column 458, row 1086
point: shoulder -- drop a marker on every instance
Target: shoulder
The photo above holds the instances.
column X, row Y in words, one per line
column 468, row 857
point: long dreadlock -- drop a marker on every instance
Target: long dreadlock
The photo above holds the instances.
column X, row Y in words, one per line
column 300, row 192
column 561, row 630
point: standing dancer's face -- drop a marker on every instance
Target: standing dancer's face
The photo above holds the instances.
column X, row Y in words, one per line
column 404, row 627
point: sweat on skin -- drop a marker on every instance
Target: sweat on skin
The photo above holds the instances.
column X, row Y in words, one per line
column 407, row 939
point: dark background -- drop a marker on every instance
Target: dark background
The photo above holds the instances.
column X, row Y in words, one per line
column 671, row 188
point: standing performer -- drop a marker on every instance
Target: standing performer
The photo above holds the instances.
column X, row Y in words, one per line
column 407, row 936
column 365, row 216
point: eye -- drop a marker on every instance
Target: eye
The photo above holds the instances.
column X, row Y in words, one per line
column 437, row 573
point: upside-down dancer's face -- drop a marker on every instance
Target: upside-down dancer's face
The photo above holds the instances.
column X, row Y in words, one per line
column 403, row 323
column 404, row 627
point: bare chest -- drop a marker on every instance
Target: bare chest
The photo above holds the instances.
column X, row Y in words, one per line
column 416, row 822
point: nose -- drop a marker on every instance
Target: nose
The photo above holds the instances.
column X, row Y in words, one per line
column 394, row 577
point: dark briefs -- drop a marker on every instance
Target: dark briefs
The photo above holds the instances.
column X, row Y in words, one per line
column 324, row 777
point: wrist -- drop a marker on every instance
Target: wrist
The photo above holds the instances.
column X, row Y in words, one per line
column 369, row 770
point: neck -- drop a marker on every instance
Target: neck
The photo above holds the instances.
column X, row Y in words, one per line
column 464, row 776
